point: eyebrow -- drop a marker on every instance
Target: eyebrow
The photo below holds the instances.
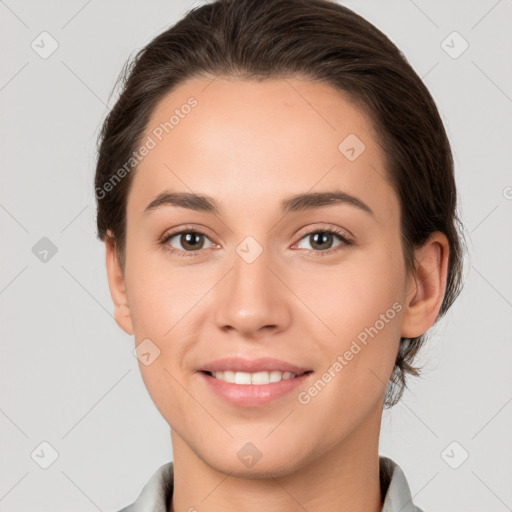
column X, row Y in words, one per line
column 295, row 203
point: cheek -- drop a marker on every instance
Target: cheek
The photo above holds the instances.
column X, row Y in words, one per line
column 354, row 294
column 161, row 380
column 160, row 293
column 361, row 303
column 363, row 315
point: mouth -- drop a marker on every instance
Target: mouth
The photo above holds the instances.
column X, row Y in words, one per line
column 260, row 378
column 253, row 389
column 257, row 382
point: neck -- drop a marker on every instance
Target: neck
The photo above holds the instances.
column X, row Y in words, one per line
column 344, row 479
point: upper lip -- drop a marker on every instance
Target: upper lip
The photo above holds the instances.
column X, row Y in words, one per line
column 238, row 364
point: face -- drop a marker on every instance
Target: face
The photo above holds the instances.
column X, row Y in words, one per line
column 316, row 282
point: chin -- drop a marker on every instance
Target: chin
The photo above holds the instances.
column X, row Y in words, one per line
column 250, row 462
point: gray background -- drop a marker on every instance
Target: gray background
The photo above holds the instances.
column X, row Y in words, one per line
column 68, row 375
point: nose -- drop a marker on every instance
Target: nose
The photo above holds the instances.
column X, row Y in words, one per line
column 252, row 299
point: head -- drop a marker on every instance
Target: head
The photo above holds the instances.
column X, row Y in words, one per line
column 250, row 103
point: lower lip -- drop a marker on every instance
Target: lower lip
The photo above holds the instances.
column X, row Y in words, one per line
column 253, row 395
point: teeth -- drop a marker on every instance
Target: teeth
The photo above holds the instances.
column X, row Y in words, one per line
column 253, row 378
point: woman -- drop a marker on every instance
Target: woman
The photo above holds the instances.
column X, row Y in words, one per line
column 276, row 194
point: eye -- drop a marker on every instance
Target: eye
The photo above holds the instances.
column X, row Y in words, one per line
column 186, row 241
column 189, row 242
column 321, row 241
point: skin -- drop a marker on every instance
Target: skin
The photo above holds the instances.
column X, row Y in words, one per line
column 249, row 145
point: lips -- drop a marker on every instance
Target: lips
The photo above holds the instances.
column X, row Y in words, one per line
column 265, row 364
column 252, row 395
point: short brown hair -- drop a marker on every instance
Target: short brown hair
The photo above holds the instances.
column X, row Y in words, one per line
column 320, row 40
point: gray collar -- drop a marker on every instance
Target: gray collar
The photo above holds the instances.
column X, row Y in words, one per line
column 156, row 494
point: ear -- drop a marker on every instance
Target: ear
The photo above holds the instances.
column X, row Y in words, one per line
column 426, row 286
column 117, row 287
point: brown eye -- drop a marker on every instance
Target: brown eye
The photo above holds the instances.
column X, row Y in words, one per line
column 187, row 241
column 321, row 241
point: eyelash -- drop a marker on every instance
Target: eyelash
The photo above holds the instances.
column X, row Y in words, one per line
column 340, row 234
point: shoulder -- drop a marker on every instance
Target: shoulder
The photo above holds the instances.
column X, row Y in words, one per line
column 156, row 494
column 395, row 488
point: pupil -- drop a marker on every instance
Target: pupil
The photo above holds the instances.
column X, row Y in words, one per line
column 322, row 236
column 192, row 240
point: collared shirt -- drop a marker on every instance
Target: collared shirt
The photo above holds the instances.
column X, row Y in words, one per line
column 157, row 493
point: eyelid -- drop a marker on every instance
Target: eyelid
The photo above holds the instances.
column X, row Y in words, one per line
column 322, row 226
column 185, row 229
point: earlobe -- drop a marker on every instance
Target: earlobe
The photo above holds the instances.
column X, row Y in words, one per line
column 117, row 288
column 426, row 288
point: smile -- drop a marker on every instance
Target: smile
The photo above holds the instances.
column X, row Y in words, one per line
column 257, row 378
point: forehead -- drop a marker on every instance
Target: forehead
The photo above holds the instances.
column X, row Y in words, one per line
column 247, row 141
